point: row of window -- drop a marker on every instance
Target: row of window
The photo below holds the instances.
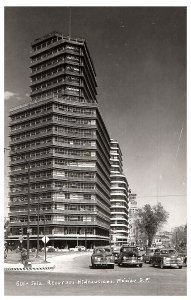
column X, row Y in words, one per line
column 54, row 196
column 56, row 184
column 47, row 43
column 78, row 110
column 32, row 165
column 32, row 123
column 73, row 131
column 52, row 151
column 67, row 174
column 74, row 141
column 60, row 162
column 116, row 185
column 57, row 70
column 55, row 61
column 28, row 134
column 55, row 139
column 54, row 51
column 31, row 144
column 120, row 228
column 60, row 129
column 54, row 81
column 31, row 155
column 74, row 120
column 53, row 106
column 74, row 152
column 58, row 94
column 42, row 208
column 31, row 112
column 85, row 164
column 78, row 185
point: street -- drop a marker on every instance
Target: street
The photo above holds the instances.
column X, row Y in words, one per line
column 74, row 277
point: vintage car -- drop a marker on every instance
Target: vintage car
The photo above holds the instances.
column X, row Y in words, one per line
column 167, row 257
column 183, row 254
column 130, row 256
column 102, row 257
column 148, row 254
column 116, row 251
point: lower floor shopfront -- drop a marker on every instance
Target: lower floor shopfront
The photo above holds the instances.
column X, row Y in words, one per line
column 57, row 241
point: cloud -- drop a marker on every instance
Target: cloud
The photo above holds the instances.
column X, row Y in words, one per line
column 8, row 95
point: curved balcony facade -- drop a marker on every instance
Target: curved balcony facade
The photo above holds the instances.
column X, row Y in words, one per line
column 119, row 196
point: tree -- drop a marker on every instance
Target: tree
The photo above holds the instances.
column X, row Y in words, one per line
column 179, row 237
column 150, row 220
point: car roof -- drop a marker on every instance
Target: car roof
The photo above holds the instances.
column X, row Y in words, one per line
column 128, row 246
column 152, row 248
column 101, row 247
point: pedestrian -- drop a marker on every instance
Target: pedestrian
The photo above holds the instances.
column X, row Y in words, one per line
column 23, row 255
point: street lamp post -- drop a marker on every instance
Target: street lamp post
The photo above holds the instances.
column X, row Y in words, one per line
column 45, row 239
column 86, row 230
column 37, row 253
column 28, row 219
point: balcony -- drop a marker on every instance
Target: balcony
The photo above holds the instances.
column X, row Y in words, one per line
column 59, row 222
column 74, row 124
column 54, row 45
column 77, row 156
column 31, row 137
column 33, row 83
column 31, row 159
column 31, row 148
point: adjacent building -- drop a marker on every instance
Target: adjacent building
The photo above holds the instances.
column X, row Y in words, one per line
column 60, row 153
column 133, row 215
column 119, row 197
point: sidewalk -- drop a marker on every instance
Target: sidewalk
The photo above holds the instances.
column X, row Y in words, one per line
column 61, row 263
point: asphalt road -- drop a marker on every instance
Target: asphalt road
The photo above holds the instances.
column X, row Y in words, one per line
column 75, row 277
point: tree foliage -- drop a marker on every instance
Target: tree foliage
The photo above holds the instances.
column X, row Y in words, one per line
column 179, row 237
column 150, row 220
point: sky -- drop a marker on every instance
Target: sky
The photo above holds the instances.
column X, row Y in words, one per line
column 139, row 54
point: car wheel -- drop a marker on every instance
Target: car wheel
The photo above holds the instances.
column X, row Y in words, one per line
column 180, row 267
column 161, row 265
column 119, row 265
column 152, row 264
column 140, row 265
column 93, row 266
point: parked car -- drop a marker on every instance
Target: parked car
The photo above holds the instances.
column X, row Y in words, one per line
column 78, row 248
column 102, row 257
column 129, row 255
column 116, row 251
column 167, row 257
column 148, row 254
column 183, row 254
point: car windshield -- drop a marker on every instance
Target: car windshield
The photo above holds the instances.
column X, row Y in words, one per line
column 129, row 249
column 168, row 251
column 101, row 250
column 150, row 250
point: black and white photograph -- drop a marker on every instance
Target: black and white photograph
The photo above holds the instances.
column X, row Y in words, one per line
column 95, row 150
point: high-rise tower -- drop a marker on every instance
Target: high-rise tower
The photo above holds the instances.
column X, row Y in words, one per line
column 60, row 149
column 119, row 197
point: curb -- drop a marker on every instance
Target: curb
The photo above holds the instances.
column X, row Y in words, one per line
column 37, row 268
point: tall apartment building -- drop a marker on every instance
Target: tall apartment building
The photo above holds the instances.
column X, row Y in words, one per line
column 60, row 149
column 119, row 197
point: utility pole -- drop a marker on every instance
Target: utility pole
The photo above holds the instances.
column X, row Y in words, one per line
column 176, row 240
